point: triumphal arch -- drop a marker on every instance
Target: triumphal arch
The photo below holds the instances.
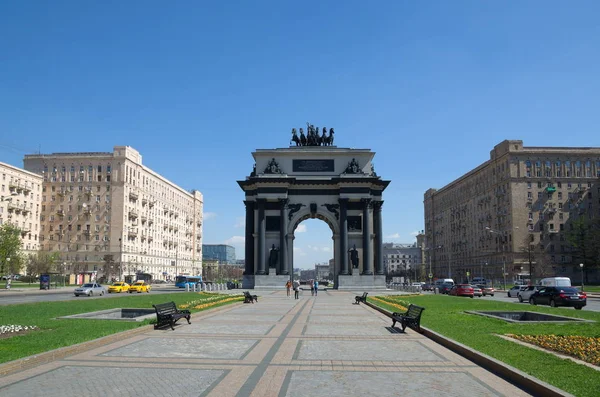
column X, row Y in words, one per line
column 314, row 179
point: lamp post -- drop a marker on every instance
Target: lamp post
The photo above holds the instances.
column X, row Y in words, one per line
column 503, row 241
column 581, row 267
column 64, row 266
column 120, row 259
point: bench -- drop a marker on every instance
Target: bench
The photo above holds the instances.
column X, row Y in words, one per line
column 168, row 314
column 411, row 318
column 362, row 298
column 250, row 298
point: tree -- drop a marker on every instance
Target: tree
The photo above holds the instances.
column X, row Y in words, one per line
column 584, row 241
column 10, row 247
column 110, row 266
column 538, row 260
column 42, row 262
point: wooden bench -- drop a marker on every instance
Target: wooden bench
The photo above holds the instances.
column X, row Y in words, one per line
column 168, row 314
column 250, row 298
column 411, row 318
column 362, row 298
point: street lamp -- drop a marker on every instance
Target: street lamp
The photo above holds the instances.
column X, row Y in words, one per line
column 581, row 267
column 64, row 266
column 503, row 240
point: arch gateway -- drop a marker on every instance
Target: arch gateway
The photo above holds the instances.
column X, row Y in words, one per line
column 336, row 185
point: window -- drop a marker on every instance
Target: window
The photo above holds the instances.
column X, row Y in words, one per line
column 569, row 185
column 528, row 185
column 539, row 194
column 529, row 195
column 99, row 168
column 560, row 195
column 539, row 185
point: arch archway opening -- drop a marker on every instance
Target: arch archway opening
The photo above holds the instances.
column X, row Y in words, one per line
column 313, row 249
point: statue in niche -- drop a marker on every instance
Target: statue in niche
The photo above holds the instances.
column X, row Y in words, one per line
column 353, row 167
column 273, row 168
column 354, row 257
column 273, row 256
column 373, row 173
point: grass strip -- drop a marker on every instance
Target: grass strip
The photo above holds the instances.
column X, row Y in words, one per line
column 54, row 333
column 446, row 315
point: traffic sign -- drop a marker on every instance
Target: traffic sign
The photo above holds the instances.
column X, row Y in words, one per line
column 430, row 275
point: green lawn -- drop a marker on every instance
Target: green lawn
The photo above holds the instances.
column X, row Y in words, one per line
column 445, row 315
column 55, row 333
column 591, row 288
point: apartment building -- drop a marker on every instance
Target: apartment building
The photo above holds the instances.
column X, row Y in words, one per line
column 402, row 258
column 523, row 198
column 20, row 199
column 108, row 214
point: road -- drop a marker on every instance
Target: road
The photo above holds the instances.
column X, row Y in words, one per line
column 593, row 304
column 66, row 294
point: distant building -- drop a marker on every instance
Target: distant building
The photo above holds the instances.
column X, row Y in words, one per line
column 402, row 258
column 225, row 254
column 322, row 272
column 307, row 274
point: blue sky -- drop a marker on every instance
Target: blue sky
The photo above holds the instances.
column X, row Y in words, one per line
column 431, row 87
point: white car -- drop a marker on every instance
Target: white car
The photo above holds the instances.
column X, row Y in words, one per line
column 90, row 289
column 514, row 291
column 525, row 294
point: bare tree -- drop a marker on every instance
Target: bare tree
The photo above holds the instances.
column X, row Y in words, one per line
column 536, row 257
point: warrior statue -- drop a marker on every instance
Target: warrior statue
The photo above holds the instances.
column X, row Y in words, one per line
column 324, row 137
column 302, row 138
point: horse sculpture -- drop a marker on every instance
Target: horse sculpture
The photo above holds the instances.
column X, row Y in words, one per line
column 302, row 138
column 295, row 138
column 329, row 141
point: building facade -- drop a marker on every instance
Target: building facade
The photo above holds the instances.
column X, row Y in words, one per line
column 225, row 254
column 402, row 258
column 20, row 200
column 510, row 217
column 107, row 213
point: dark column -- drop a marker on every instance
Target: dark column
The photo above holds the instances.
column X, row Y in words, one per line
column 249, row 251
column 283, row 213
column 260, row 269
column 343, row 237
column 366, row 230
column 378, row 237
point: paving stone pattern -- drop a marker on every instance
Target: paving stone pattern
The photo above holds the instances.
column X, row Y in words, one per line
column 314, row 346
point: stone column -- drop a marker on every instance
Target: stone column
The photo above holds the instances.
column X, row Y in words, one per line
column 366, row 231
column 379, row 270
column 283, row 213
column 249, row 249
column 260, row 269
column 343, row 237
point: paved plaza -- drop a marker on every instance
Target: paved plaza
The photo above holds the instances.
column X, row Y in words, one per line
column 314, row 346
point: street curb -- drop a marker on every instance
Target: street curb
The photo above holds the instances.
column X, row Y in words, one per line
column 24, row 363
column 515, row 376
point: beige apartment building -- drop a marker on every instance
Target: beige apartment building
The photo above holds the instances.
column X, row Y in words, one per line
column 109, row 215
column 522, row 201
column 20, row 199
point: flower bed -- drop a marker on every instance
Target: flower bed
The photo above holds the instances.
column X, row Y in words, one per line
column 391, row 302
column 11, row 330
column 216, row 299
column 581, row 347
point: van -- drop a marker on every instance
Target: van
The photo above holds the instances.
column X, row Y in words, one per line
column 441, row 281
column 556, row 282
column 478, row 280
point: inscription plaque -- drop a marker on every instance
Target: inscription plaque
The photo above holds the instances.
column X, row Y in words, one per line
column 312, row 165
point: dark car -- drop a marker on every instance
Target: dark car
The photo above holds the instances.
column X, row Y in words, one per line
column 559, row 296
column 445, row 288
column 427, row 287
column 461, row 290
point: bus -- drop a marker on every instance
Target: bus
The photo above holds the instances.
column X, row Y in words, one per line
column 182, row 281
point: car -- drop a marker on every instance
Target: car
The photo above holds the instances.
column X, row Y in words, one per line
column 514, row 291
column 477, row 291
column 445, row 288
column 427, row 287
column 525, row 294
column 461, row 290
column 139, row 286
column 559, row 296
column 118, row 287
column 90, row 289
column 486, row 290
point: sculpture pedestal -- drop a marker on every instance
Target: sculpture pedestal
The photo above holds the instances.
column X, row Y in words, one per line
column 248, row 281
column 361, row 282
column 270, row 281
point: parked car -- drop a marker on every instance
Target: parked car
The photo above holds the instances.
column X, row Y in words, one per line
column 525, row 294
column 90, row 289
column 445, row 288
column 477, row 291
column 514, row 291
column 486, row 290
column 461, row 290
column 559, row 296
column 139, row 286
column 118, row 287
column 427, row 287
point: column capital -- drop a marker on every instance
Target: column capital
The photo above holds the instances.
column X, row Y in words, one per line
column 377, row 205
column 284, row 202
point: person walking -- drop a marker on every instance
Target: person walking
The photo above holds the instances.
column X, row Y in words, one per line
column 8, row 282
column 296, row 289
column 316, row 287
column 288, row 286
column 312, row 289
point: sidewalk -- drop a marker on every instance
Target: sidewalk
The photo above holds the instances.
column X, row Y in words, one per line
column 314, row 346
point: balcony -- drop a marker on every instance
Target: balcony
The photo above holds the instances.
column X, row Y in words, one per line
column 132, row 232
column 143, row 236
column 87, row 211
column 151, row 204
column 144, row 218
column 170, row 228
column 24, row 231
column 26, row 189
column 144, row 201
column 60, row 213
column 25, row 210
column 188, row 232
column 150, row 222
column 165, row 226
column 175, row 228
column 133, row 196
column 171, row 212
column 199, row 223
column 87, row 232
column 150, row 239
column 133, row 214
column 12, row 186
column 165, row 210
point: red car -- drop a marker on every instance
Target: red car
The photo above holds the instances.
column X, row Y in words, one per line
column 461, row 290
